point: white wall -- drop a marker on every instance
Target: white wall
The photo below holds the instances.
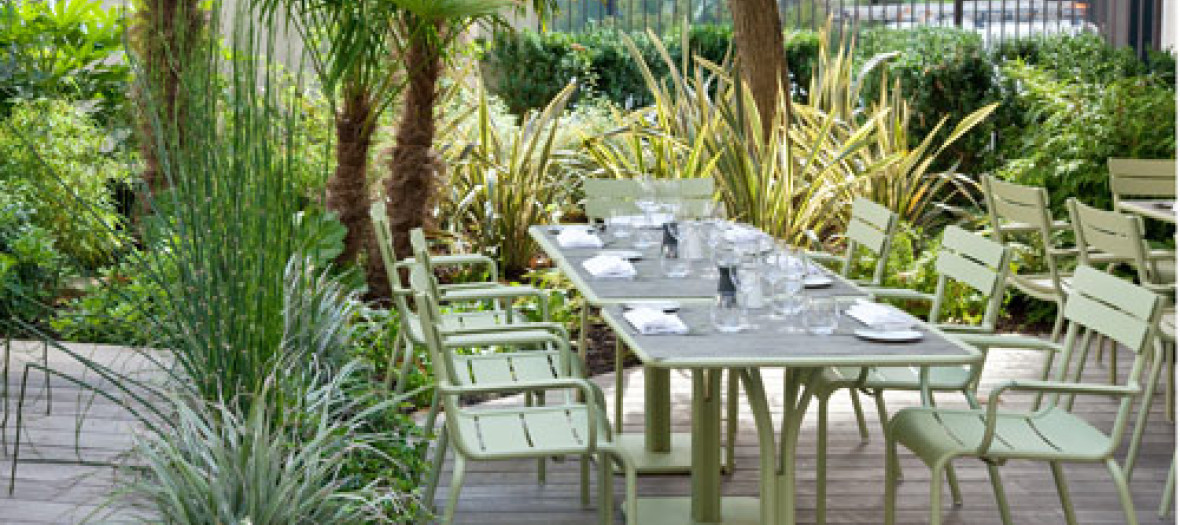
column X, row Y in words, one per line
column 1170, row 26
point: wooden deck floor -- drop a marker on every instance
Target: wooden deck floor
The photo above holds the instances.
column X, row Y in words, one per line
column 52, row 486
column 506, row 493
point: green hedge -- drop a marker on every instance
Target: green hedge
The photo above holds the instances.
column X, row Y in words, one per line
column 526, row 69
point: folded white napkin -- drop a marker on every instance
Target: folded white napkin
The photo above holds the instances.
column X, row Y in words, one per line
column 741, row 233
column 578, row 238
column 875, row 314
column 649, row 321
column 609, row 266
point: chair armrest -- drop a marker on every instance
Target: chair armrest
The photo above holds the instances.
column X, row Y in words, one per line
column 554, row 328
column 1023, row 342
column 1162, row 289
column 1043, row 387
column 500, row 292
column 1019, row 227
column 590, row 392
column 462, row 259
column 898, row 293
column 824, row 257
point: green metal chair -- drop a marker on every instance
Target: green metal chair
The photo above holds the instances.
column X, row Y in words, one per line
column 1017, row 210
column 1120, row 238
column 410, row 335
column 1098, row 303
column 1142, row 178
column 572, row 427
column 871, row 228
column 963, row 257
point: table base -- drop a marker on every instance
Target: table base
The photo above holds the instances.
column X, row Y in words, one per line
column 678, row 511
column 678, row 460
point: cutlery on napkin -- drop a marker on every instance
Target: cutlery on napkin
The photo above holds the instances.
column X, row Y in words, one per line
column 649, row 321
column 578, row 238
column 609, row 266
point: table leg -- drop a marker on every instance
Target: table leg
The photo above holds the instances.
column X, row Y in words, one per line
column 764, row 426
column 706, row 445
column 657, row 404
column 797, row 386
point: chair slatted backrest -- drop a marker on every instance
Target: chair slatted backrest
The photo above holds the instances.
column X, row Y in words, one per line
column 1016, row 204
column 1103, row 304
column 421, row 249
column 1143, row 178
column 384, row 234
column 871, row 226
column 606, row 196
column 1025, row 208
column 429, row 315
column 975, row 261
column 1112, row 233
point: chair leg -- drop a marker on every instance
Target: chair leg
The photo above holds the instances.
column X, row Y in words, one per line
column 393, row 357
column 731, row 417
column 436, row 465
column 821, row 459
column 1120, row 483
column 48, row 384
column 533, row 399
column 631, row 502
column 619, row 384
column 860, row 416
column 1148, row 396
column 585, row 466
column 1170, row 392
column 993, row 473
column 883, row 416
column 1169, row 491
column 936, row 493
column 606, row 493
column 1063, row 493
column 1058, row 324
column 456, row 484
column 1113, row 373
column 892, row 469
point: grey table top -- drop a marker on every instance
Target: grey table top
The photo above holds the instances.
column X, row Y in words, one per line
column 768, row 345
column 1159, row 209
column 649, row 283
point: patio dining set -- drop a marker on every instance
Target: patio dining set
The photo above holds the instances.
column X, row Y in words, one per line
column 685, row 289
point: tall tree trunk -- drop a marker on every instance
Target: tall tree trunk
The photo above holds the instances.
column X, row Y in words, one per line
column 348, row 190
column 758, row 35
column 413, row 164
column 164, row 35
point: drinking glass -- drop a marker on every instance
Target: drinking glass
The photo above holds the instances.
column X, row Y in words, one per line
column 646, row 199
column 620, row 225
column 789, row 300
column 647, row 232
column 823, row 315
column 672, row 261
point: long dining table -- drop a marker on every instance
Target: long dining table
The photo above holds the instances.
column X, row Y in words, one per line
column 707, row 353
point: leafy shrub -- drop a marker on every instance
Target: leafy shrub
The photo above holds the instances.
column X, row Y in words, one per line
column 30, row 265
column 527, row 69
column 70, row 48
column 942, row 72
column 58, row 158
column 1085, row 57
column 1075, row 126
column 123, row 300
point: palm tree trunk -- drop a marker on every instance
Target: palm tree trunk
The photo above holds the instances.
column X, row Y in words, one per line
column 164, row 34
column 758, row 34
column 413, row 163
column 347, row 191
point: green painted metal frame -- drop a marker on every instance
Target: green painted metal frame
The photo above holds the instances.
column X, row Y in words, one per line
column 531, row 442
column 777, row 487
column 1098, row 303
column 660, row 451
